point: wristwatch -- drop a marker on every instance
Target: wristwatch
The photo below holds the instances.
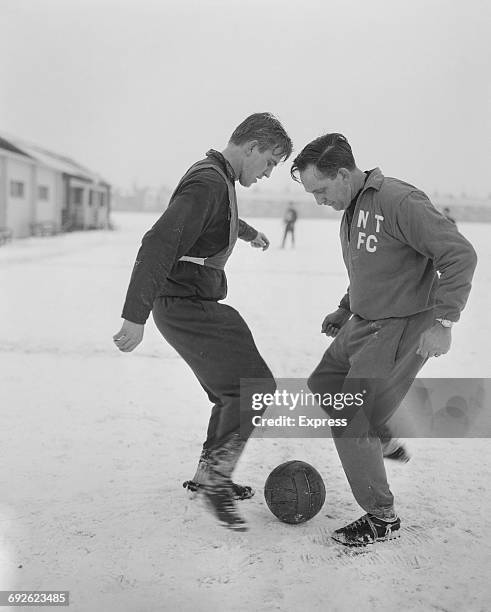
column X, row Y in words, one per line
column 445, row 322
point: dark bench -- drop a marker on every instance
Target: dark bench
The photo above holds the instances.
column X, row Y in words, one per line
column 5, row 235
column 44, row 228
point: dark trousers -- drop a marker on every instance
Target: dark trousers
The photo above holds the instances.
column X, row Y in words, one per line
column 289, row 229
column 218, row 346
column 377, row 359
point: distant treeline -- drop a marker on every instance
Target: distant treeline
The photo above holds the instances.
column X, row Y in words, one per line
column 309, row 209
column 274, row 205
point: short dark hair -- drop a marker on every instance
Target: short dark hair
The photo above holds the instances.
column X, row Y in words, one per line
column 327, row 153
column 267, row 130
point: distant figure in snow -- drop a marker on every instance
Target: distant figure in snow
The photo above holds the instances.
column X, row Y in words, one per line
column 289, row 219
column 446, row 213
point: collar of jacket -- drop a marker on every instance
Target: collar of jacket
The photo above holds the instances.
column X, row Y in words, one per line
column 223, row 162
column 374, row 180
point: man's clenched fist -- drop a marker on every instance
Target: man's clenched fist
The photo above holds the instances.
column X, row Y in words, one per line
column 129, row 336
column 334, row 321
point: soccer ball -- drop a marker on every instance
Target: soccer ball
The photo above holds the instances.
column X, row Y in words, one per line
column 294, row 492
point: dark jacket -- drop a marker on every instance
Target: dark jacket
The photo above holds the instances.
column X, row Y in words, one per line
column 196, row 223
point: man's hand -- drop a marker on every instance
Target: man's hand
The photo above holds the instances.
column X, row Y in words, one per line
column 260, row 241
column 129, row 336
column 435, row 341
column 334, row 321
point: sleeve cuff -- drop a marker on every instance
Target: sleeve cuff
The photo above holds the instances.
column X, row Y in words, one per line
column 141, row 319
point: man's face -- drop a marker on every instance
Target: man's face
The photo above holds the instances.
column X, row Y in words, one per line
column 258, row 164
column 335, row 192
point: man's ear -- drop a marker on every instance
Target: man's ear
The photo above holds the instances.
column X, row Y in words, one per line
column 250, row 146
column 344, row 173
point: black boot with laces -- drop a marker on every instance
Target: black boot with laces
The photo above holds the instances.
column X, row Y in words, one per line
column 217, row 487
column 240, row 492
column 368, row 529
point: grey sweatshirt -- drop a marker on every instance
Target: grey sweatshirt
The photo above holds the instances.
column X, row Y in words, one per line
column 402, row 255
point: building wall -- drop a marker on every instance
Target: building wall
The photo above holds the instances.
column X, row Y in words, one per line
column 88, row 205
column 98, row 213
column 19, row 208
column 105, row 213
column 3, row 191
column 61, row 194
column 47, row 210
column 66, row 199
column 91, row 218
column 78, row 196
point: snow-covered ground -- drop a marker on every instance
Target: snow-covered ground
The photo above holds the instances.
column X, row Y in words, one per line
column 95, row 445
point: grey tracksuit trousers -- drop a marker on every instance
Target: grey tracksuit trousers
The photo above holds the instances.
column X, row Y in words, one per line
column 378, row 359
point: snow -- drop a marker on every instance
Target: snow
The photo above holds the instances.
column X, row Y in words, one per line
column 96, row 443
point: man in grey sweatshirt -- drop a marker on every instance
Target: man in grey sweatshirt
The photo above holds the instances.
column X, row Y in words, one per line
column 410, row 274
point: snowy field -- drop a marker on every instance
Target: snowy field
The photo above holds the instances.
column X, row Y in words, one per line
column 95, row 445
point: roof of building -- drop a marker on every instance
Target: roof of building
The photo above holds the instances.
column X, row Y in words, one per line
column 58, row 162
column 9, row 146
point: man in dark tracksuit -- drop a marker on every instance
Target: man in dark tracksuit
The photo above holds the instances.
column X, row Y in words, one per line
column 410, row 274
column 179, row 277
column 289, row 219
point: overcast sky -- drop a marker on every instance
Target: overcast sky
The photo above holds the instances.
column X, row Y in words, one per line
column 139, row 89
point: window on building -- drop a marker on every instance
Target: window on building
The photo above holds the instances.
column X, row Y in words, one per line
column 77, row 194
column 43, row 192
column 96, row 198
column 102, row 201
column 17, row 189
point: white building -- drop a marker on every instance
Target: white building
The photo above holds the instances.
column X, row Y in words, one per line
column 39, row 188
